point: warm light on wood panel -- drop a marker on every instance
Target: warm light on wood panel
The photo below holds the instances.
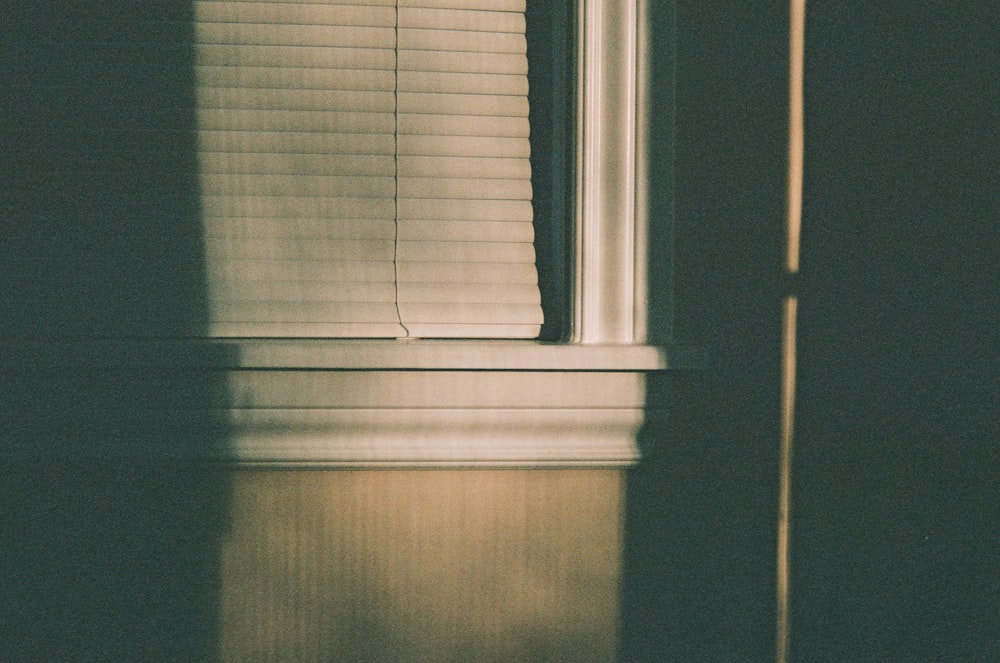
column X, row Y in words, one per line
column 422, row 566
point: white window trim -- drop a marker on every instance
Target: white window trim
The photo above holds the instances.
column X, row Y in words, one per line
column 427, row 403
column 608, row 278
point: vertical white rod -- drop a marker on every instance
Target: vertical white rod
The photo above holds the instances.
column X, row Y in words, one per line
column 796, row 130
column 789, row 310
column 793, row 224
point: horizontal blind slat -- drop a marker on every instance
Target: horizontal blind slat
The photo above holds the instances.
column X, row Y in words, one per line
column 242, row 55
column 465, row 252
column 297, row 311
column 484, row 5
column 462, row 293
column 463, row 62
column 460, row 40
column 304, row 291
column 275, row 207
column 466, row 231
column 314, row 121
column 461, row 104
column 464, row 210
column 466, row 313
column 452, row 272
column 355, row 101
column 256, row 248
column 350, row 3
column 332, row 271
column 296, row 78
column 467, row 167
column 273, row 34
column 299, row 329
column 472, row 331
column 297, row 185
column 295, row 142
column 469, row 188
column 427, row 124
column 462, row 19
column 463, row 146
column 463, row 83
column 300, row 228
column 300, row 13
column 298, row 164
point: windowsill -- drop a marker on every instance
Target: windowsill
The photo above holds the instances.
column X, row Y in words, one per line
column 349, row 403
column 335, row 354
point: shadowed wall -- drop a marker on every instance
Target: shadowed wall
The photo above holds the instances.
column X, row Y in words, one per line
column 896, row 539
column 106, row 553
column 699, row 535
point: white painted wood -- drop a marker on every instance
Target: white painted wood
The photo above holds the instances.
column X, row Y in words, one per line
column 435, row 389
column 325, row 356
column 436, row 437
column 606, row 269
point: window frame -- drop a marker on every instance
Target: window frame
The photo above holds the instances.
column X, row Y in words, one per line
column 610, row 224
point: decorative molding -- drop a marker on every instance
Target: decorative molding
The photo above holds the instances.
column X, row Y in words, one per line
column 348, row 418
column 437, row 437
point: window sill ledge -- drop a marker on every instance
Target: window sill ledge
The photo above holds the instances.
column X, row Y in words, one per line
column 362, row 404
column 323, row 354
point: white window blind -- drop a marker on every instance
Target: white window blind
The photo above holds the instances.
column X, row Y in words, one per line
column 364, row 168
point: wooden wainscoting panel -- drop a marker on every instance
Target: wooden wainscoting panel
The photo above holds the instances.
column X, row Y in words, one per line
column 422, row 565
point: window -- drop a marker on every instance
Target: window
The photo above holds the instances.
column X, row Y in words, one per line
column 606, row 297
column 87, row 250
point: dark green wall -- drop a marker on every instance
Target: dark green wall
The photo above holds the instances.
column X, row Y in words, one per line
column 896, row 541
column 897, row 546
column 699, row 528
